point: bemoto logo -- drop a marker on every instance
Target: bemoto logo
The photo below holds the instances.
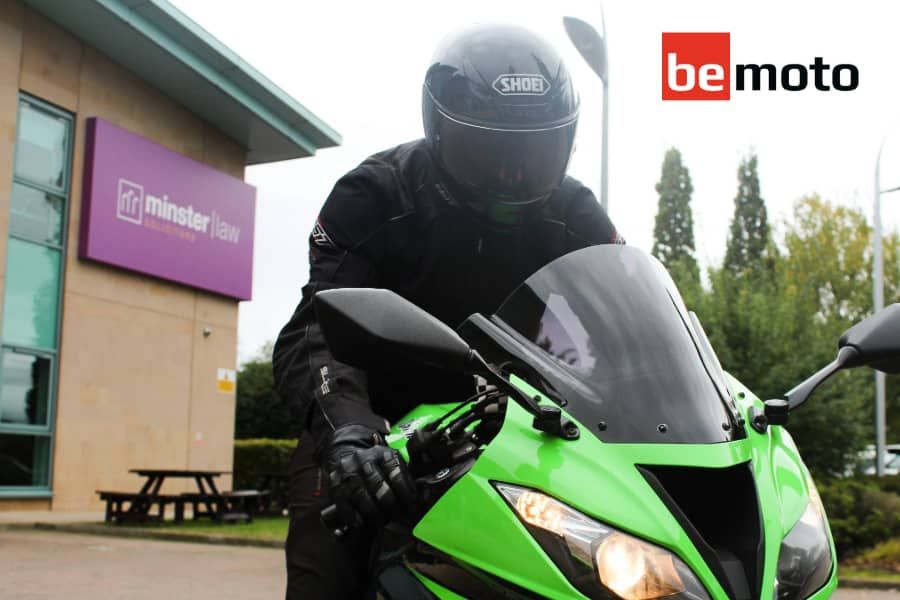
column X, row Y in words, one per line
column 697, row 66
column 130, row 202
column 521, row 85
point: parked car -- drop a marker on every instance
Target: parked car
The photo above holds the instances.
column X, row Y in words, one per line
column 866, row 460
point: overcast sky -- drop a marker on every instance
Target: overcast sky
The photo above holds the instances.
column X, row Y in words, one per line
column 359, row 67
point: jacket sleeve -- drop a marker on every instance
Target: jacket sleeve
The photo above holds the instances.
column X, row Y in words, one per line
column 326, row 392
column 588, row 224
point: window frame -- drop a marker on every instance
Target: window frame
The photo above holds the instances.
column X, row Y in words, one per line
column 62, row 234
column 49, row 430
column 32, row 491
column 59, row 274
column 41, row 105
column 27, row 428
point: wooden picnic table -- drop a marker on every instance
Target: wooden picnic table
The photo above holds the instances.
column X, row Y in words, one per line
column 207, row 501
column 207, row 494
column 155, row 477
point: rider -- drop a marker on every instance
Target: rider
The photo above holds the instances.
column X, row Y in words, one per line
column 452, row 222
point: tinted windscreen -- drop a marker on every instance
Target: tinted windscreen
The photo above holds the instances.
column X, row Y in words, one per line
column 614, row 338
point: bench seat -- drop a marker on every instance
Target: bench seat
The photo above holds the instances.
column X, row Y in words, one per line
column 139, row 506
column 235, row 505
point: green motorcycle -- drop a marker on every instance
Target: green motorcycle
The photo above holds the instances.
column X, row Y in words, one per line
column 606, row 453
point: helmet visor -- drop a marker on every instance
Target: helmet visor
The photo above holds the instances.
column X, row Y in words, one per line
column 516, row 166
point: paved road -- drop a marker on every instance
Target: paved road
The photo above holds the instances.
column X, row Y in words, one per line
column 38, row 565
column 845, row 594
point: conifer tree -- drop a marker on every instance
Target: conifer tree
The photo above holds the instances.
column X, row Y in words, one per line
column 673, row 233
column 748, row 236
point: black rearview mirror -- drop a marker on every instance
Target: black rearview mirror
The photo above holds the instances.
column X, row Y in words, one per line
column 376, row 328
column 877, row 340
column 873, row 342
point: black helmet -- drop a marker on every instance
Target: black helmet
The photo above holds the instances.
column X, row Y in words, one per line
column 500, row 114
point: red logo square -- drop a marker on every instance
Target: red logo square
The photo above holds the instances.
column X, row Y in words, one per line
column 696, row 66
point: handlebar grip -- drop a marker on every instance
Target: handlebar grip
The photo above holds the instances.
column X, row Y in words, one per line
column 332, row 520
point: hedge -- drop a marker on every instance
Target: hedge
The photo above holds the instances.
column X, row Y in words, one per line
column 888, row 483
column 861, row 513
column 255, row 459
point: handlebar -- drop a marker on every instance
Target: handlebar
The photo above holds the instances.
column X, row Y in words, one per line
column 439, row 453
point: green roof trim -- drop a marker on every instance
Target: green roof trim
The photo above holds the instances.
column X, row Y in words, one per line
column 167, row 49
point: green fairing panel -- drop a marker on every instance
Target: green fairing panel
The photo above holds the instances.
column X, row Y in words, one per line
column 782, row 481
column 437, row 589
column 473, row 523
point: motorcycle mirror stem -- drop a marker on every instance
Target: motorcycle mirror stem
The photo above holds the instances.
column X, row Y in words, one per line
column 777, row 411
column 547, row 419
column 873, row 342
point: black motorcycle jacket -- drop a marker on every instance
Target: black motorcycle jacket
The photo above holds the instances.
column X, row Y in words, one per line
column 392, row 223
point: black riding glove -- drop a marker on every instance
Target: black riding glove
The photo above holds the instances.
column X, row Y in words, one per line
column 369, row 481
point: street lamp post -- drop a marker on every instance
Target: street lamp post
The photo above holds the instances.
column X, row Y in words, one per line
column 878, row 301
column 592, row 47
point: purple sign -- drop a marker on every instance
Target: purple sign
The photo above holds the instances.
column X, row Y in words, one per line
column 152, row 210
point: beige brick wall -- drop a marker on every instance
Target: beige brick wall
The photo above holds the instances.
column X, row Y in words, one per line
column 13, row 504
column 11, row 18
column 137, row 378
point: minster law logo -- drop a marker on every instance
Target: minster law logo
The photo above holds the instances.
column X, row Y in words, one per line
column 697, row 66
column 133, row 205
column 130, row 202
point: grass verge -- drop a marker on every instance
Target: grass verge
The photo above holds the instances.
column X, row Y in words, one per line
column 262, row 528
column 869, row 575
column 880, row 563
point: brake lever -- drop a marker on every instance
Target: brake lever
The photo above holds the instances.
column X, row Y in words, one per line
column 421, row 439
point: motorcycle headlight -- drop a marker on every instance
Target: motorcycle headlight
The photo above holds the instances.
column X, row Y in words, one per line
column 805, row 561
column 599, row 559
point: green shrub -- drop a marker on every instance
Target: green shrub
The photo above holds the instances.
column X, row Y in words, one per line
column 889, row 483
column 884, row 556
column 860, row 514
column 255, row 459
column 259, row 411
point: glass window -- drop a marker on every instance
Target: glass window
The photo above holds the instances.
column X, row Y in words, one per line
column 32, row 295
column 36, row 215
column 42, row 147
column 24, row 460
column 24, row 388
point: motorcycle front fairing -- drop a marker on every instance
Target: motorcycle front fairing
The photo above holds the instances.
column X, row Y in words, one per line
column 666, row 455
